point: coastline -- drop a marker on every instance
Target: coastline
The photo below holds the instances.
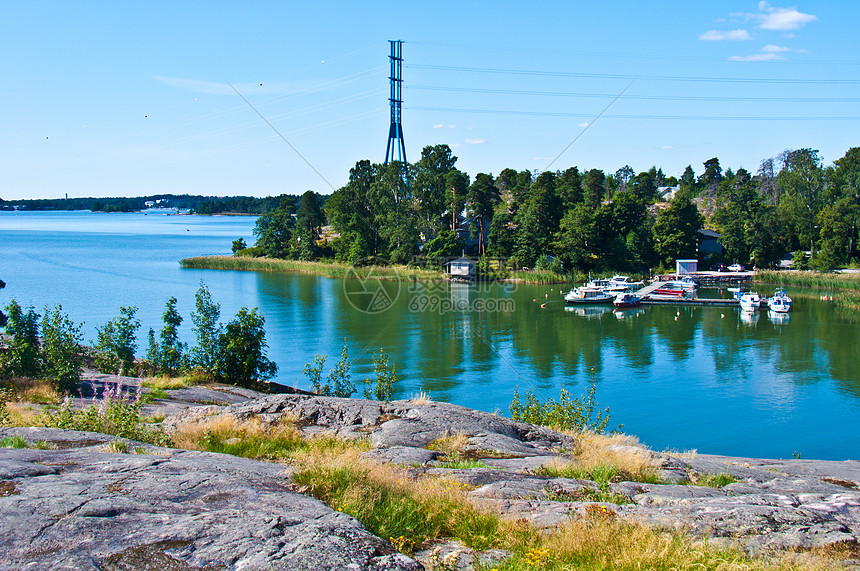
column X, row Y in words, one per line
column 341, row 270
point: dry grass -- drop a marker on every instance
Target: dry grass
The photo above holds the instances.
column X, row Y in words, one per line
column 421, row 398
column 34, row 390
column 634, row 462
column 24, row 414
column 450, row 445
column 600, row 541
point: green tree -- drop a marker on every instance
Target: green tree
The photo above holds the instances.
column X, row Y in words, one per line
column 593, row 187
column 576, row 239
column 676, row 229
column 352, row 212
column 274, row 230
column 169, row 354
column 483, row 196
column 537, row 221
column 309, row 220
column 802, row 184
column 710, row 179
column 238, row 245
column 430, row 190
column 243, row 351
column 21, row 357
column 206, row 355
column 61, row 350
column 117, row 342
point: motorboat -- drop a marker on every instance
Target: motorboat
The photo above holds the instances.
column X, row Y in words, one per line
column 751, row 301
column 588, row 294
column 624, row 281
column 780, row 302
column 626, row 300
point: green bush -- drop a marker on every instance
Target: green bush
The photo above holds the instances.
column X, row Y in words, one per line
column 243, row 351
column 61, row 349
column 386, row 378
column 116, row 414
column 338, row 383
column 21, row 357
column 578, row 414
column 117, row 342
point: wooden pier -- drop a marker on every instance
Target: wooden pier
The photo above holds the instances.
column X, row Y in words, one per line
column 645, row 291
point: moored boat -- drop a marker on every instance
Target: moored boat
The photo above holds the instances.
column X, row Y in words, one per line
column 624, row 281
column 588, row 294
column 674, row 290
column 780, row 302
column 626, row 300
column 750, row 301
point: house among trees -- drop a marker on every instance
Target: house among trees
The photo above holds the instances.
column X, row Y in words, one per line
column 461, row 269
column 709, row 242
column 667, row 193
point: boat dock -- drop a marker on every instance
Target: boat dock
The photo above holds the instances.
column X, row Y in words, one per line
column 681, row 301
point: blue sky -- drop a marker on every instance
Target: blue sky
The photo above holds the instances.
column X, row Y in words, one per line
column 132, row 98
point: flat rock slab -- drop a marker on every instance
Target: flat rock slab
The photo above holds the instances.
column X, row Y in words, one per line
column 404, row 423
column 82, row 507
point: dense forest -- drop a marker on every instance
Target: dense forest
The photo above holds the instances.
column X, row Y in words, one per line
column 577, row 219
column 196, row 204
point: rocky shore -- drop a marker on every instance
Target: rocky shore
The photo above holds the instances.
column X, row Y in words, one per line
column 85, row 504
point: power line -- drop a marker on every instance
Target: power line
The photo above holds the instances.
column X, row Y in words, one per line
column 771, row 80
column 638, row 97
column 667, row 117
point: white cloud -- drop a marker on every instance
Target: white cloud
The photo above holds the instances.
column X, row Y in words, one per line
column 773, row 18
column 452, row 126
column 738, row 35
column 667, row 147
column 770, row 52
column 757, row 57
column 456, row 145
column 476, row 141
column 583, row 124
column 438, row 126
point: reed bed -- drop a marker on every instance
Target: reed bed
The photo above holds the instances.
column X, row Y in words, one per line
column 810, row 279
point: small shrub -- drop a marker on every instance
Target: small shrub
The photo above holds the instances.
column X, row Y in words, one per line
column 116, row 414
column 21, row 357
column 386, row 378
column 576, row 414
column 338, row 383
column 5, row 396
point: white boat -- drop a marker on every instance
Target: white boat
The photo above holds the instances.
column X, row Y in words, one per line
column 780, row 302
column 624, row 281
column 588, row 294
column 750, row 301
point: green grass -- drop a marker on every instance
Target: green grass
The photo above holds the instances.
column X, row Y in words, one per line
column 326, row 269
column 810, row 279
column 16, row 441
column 714, row 480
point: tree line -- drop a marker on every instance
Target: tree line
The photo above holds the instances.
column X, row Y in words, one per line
column 195, row 203
column 576, row 219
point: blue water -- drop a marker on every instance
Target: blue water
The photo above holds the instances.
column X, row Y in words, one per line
column 695, row 378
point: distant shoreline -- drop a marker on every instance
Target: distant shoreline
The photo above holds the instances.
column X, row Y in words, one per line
column 342, row 270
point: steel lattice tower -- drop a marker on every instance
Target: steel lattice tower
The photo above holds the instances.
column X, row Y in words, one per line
column 396, row 148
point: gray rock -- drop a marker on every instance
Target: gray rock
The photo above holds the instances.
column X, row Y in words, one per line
column 402, row 423
column 84, row 508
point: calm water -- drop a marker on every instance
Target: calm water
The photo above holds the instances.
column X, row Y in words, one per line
column 698, row 378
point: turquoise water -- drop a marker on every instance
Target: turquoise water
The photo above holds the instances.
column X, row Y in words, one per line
column 695, row 378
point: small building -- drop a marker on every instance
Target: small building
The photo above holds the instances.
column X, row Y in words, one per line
column 461, row 269
column 709, row 242
column 684, row 267
column 667, row 193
